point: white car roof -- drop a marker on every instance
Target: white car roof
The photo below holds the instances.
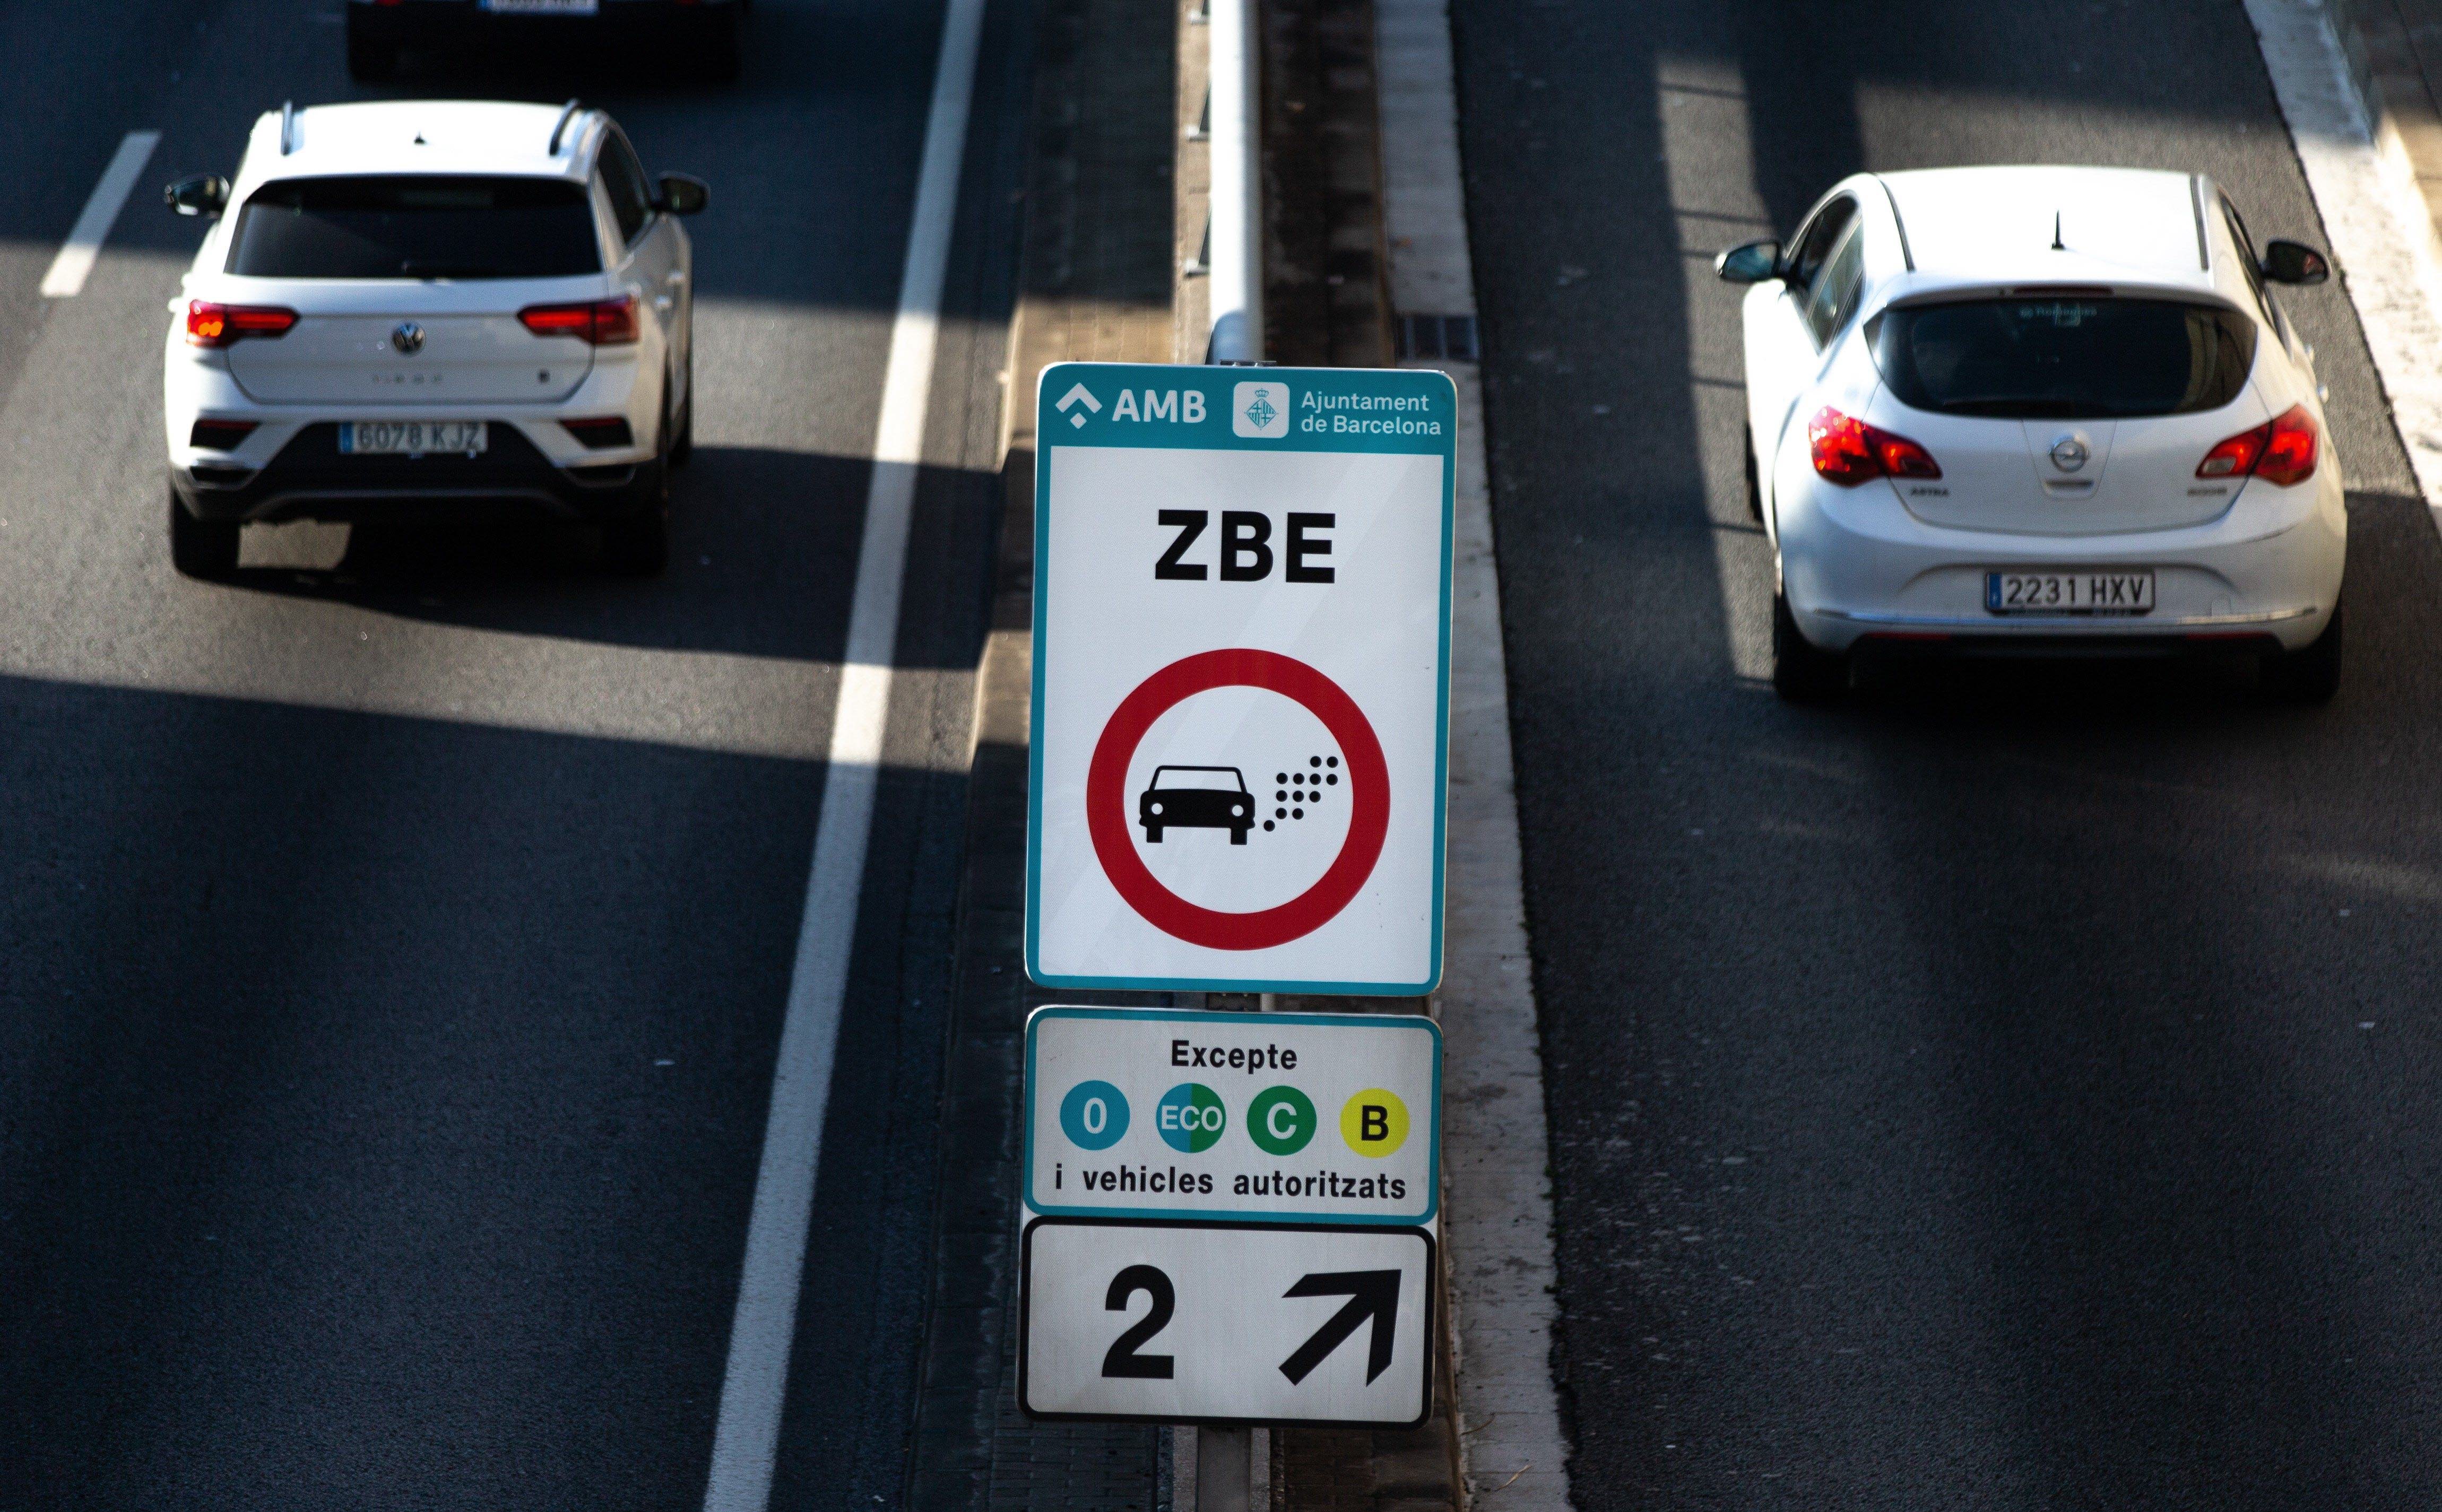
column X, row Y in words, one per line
column 422, row 136
column 2115, row 225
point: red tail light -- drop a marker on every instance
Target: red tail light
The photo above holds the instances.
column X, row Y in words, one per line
column 2281, row 451
column 217, row 325
column 601, row 322
column 1849, row 451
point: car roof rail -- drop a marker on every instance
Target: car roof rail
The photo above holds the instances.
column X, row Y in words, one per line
column 567, row 113
column 287, row 127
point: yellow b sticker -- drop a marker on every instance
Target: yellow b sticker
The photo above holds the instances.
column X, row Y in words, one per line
column 1373, row 1123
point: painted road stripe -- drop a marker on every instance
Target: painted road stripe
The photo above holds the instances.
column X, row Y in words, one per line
column 747, row 1438
column 83, row 247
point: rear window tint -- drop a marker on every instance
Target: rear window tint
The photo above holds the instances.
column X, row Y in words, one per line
column 415, row 227
column 2064, row 358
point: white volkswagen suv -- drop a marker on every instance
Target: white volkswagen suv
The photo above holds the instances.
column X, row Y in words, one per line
column 431, row 309
column 2050, row 410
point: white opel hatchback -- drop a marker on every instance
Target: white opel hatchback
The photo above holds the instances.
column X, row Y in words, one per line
column 2038, row 409
column 431, row 310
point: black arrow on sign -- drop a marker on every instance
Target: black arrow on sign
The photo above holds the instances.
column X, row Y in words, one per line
column 1371, row 1294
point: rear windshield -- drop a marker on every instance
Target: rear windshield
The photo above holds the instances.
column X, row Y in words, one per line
column 2064, row 358
column 419, row 227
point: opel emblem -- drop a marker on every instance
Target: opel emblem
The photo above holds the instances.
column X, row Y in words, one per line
column 408, row 339
column 2069, row 453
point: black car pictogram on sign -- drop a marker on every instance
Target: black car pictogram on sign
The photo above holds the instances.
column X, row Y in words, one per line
column 1193, row 798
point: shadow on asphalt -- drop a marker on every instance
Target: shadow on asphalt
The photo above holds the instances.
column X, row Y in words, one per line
column 763, row 553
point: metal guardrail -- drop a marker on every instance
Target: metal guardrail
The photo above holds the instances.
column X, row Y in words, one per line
column 1236, row 228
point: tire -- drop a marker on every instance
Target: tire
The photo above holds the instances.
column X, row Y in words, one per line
column 637, row 544
column 1801, row 671
column 370, row 60
column 1754, row 484
column 2310, row 674
column 1153, row 834
column 206, row 548
column 682, row 444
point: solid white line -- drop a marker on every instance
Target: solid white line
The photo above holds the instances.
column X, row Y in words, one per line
column 83, row 247
column 746, row 1439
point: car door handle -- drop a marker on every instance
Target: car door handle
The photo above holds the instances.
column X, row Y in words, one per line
column 678, row 275
column 663, row 303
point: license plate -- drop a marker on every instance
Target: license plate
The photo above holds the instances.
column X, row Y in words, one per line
column 410, row 438
column 541, row 7
column 2069, row 592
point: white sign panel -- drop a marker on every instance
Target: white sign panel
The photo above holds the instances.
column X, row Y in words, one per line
column 1241, row 678
column 1287, row 1118
column 1225, row 1323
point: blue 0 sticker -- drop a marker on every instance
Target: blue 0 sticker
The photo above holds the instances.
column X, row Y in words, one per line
column 1094, row 1115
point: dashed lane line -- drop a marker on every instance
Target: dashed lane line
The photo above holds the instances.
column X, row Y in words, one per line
column 745, row 1441
column 77, row 254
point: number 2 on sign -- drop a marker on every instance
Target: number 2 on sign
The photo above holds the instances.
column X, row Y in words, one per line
column 1124, row 1360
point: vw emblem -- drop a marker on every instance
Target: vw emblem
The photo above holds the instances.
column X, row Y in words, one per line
column 408, row 339
column 2069, row 453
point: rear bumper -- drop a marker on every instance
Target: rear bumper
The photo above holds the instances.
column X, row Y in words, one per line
column 1857, row 568
column 310, row 478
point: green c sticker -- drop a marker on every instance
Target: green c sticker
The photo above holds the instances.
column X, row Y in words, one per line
column 1280, row 1119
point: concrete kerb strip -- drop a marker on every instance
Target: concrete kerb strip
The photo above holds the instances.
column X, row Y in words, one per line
column 2380, row 229
column 1497, row 1214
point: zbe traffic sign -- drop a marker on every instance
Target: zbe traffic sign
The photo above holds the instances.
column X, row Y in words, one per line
column 1241, row 678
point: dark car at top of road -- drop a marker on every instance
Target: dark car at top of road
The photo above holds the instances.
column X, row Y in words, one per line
column 698, row 34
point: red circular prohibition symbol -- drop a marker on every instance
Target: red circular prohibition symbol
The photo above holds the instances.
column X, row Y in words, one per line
column 1106, row 799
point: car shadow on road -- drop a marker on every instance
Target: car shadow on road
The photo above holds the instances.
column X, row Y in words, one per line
column 763, row 556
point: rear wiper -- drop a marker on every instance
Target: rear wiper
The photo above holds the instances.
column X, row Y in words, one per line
column 411, row 268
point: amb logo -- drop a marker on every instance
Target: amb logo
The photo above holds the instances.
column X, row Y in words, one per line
column 1182, row 407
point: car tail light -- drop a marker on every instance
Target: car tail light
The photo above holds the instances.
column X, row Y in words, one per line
column 2281, row 451
column 596, row 434
column 601, row 322
column 220, row 435
column 1849, row 451
column 217, row 325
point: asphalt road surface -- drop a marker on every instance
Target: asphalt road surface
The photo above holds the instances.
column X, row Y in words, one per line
column 2010, row 1090
column 394, row 941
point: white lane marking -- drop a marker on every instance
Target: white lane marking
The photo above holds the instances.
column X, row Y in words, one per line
column 746, row 1439
column 1497, row 1222
column 2382, row 240
column 83, row 247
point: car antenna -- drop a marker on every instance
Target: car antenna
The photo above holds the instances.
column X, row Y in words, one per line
column 567, row 113
column 2056, row 241
column 287, row 127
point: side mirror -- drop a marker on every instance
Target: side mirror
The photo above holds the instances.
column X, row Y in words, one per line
column 198, row 194
column 2290, row 263
column 1749, row 263
column 682, row 194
